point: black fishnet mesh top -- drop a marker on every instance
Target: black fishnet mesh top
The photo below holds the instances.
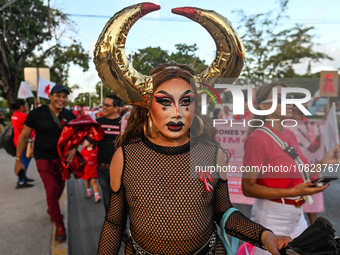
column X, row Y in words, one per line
column 170, row 211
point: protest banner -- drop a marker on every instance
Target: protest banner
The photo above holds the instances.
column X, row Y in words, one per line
column 24, row 91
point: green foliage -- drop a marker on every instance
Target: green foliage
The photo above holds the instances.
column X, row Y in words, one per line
column 106, row 90
column 24, row 26
column 59, row 58
column 271, row 52
column 185, row 54
column 83, row 98
column 146, row 59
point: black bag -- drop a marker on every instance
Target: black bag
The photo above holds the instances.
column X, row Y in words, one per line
column 318, row 239
column 6, row 141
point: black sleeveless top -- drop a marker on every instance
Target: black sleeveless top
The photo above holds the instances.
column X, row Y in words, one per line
column 170, row 210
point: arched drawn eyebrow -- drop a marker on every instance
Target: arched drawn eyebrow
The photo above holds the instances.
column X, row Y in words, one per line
column 169, row 95
column 186, row 92
column 164, row 93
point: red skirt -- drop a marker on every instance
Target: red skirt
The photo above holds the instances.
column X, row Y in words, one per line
column 90, row 172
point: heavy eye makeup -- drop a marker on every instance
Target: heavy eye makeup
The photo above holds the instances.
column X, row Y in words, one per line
column 167, row 101
column 187, row 100
column 164, row 100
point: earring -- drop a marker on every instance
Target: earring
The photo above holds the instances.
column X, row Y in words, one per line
column 163, row 108
column 201, row 124
column 187, row 109
column 150, row 126
column 147, row 127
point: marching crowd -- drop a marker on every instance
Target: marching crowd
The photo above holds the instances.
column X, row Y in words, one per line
column 145, row 160
column 274, row 195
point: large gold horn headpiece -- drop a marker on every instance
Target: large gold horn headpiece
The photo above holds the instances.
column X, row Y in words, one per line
column 118, row 74
column 230, row 54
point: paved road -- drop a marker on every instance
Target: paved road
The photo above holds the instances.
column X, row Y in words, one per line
column 85, row 219
column 25, row 227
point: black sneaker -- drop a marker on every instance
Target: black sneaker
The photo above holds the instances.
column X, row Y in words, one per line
column 28, row 179
column 24, row 185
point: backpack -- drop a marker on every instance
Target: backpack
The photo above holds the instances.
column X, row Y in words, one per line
column 6, row 141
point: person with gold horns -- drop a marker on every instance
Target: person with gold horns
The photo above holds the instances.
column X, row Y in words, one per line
column 173, row 209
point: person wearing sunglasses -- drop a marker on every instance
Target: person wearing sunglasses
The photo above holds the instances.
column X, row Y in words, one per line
column 279, row 194
column 110, row 123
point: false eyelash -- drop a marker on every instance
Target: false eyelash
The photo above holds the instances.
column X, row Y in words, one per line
column 189, row 98
column 163, row 101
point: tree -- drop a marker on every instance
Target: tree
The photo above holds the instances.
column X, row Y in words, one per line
column 24, row 27
column 271, row 52
column 146, row 59
column 83, row 99
column 59, row 58
column 185, row 54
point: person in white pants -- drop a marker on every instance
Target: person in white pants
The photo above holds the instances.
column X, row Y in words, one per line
column 277, row 185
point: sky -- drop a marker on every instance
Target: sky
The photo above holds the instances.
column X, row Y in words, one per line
column 164, row 29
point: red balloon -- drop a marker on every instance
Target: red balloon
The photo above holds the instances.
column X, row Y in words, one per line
column 73, row 135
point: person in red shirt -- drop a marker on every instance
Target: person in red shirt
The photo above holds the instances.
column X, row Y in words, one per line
column 89, row 152
column 276, row 192
column 18, row 118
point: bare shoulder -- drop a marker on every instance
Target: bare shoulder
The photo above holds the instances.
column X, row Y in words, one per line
column 116, row 169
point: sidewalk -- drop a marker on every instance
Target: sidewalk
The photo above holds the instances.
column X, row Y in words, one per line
column 25, row 227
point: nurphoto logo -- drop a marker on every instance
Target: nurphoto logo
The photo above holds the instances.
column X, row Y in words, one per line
column 238, row 104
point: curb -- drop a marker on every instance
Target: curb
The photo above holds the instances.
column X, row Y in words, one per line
column 61, row 248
